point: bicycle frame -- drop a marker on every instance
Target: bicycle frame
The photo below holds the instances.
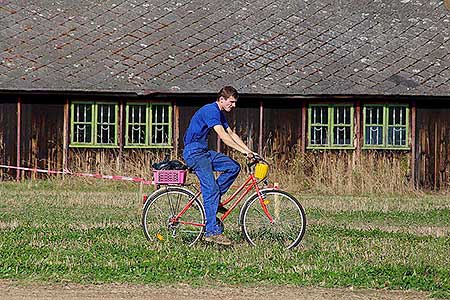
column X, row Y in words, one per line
column 246, row 187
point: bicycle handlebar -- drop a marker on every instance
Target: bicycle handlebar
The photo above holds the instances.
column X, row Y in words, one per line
column 259, row 158
column 254, row 160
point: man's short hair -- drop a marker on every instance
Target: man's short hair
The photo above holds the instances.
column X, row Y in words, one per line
column 227, row 92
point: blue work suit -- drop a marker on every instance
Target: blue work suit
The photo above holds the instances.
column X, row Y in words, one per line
column 205, row 161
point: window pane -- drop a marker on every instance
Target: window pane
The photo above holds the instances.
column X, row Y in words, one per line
column 342, row 135
column 397, row 136
column 319, row 115
column 106, row 114
column 106, row 123
column 160, row 134
column 397, row 115
column 374, row 115
column 160, row 114
column 105, row 134
column 374, row 135
column 137, row 114
column 82, row 113
column 319, row 135
column 342, row 115
column 136, row 134
column 82, row 133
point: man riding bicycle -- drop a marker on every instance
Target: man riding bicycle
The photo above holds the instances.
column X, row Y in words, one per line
column 205, row 161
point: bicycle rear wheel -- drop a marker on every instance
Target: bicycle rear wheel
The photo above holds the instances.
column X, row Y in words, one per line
column 160, row 210
column 289, row 220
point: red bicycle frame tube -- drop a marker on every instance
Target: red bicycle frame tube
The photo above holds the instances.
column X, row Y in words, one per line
column 248, row 185
column 261, row 200
column 186, row 207
column 225, row 215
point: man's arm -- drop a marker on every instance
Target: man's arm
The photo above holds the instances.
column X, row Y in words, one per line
column 238, row 140
column 230, row 141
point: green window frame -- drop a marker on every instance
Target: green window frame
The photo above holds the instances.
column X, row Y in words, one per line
column 148, row 125
column 94, row 124
column 386, row 126
column 330, row 126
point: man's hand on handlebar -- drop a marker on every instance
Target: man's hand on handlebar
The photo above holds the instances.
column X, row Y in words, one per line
column 255, row 158
column 252, row 155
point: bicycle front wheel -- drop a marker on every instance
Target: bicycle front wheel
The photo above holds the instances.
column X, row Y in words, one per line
column 288, row 224
column 159, row 220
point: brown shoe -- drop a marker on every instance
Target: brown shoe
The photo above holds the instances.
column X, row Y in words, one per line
column 221, row 209
column 218, row 239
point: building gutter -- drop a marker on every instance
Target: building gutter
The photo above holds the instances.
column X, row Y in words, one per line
column 208, row 94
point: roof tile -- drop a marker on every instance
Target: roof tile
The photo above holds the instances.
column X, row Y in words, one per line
column 356, row 46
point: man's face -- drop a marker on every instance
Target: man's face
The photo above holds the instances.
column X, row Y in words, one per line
column 227, row 104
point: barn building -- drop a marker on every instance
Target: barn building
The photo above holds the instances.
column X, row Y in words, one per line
column 87, row 82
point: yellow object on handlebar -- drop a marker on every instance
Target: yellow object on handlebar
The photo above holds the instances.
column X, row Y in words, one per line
column 261, row 170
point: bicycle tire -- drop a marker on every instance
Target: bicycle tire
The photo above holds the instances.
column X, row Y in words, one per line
column 288, row 228
column 164, row 205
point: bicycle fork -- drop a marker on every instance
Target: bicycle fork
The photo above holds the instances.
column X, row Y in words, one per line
column 262, row 201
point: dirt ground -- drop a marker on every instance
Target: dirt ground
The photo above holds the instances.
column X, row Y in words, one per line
column 11, row 290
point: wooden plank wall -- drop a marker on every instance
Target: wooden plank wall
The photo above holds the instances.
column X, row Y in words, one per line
column 42, row 137
column 133, row 162
column 244, row 120
column 433, row 147
column 186, row 111
column 282, row 129
column 282, row 124
column 42, row 131
column 8, row 137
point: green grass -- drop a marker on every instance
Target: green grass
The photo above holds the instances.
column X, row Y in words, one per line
column 435, row 217
column 89, row 232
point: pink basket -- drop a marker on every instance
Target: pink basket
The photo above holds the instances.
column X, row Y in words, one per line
column 169, row 176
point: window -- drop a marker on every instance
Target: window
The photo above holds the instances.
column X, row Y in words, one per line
column 148, row 125
column 386, row 126
column 94, row 124
column 330, row 126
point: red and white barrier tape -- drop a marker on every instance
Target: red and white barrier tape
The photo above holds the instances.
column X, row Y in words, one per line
column 112, row 177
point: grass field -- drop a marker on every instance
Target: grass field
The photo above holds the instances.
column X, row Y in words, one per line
column 89, row 232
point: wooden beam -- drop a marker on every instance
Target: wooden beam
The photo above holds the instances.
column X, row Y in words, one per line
column 435, row 154
column 304, row 125
column 65, row 153
column 358, row 141
column 413, row 144
column 218, row 144
column 120, row 134
column 19, row 121
column 176, row 127
column 261, row 127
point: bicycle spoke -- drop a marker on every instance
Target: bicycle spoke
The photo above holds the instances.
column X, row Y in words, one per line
column 177, row 208
column 159, row 211
column 288, row 224
column 172, row 209
column 261, row 212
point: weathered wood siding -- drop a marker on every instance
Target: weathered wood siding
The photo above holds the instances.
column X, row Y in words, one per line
column 42, row 138
column 244, row 120
column 135, row 162
column 433, row 145
column 186, row 110
column 41, row 134
column 8, row 135
column 282, row 128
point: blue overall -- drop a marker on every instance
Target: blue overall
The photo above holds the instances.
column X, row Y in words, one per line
column 204, row 162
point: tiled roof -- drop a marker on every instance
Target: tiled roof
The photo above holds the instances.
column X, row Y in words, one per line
column 300, row 47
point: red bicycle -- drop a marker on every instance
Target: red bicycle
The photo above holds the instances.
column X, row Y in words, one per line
column 269, row 216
